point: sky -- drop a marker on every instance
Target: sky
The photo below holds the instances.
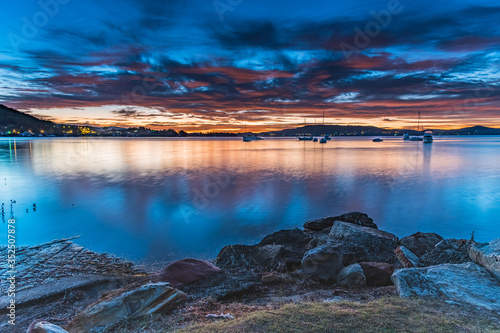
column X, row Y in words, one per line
column 227, row 65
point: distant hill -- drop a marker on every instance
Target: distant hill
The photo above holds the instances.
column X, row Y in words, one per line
column 13, row 120
column 339, row 130
column 475, row 130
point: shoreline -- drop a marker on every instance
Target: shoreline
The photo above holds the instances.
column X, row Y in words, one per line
column 63, row 278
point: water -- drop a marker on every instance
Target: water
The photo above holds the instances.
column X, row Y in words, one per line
column 166, row 199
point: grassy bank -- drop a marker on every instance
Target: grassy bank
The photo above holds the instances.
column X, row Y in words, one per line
column 387, row 314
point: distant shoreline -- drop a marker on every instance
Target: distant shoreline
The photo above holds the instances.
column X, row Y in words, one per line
column 231, row 136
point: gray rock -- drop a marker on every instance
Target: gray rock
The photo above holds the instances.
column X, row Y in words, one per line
column 407, row 258
column 52, row 261
column 295, row 242
column 364, row 243
column 323, row 262
column 464, row 283
column 448, row 251
column 357, row 218
column 351, row 275
column 141, row 301
column 250, row 256
column 40, row 326
column 488, row 256
column 227, row 284
column 421, row 242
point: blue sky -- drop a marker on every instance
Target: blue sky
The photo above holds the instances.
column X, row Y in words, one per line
column 225, row 63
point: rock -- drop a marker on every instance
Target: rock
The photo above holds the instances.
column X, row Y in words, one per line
column 187, row 271
column 421, row 243
column 488, row 256
column 364, row 243
column 351, row 275
column 287, row 237
column 270, row 277
column 250, row 256
column 448, row 251
column 226, row 284
column 295, row 242
column 357, row 218
column 40, row 326
column 140, row 301
column 323, row 262
column 51, row 261
column 407, row 258
column 377, row 273
column 469, row 283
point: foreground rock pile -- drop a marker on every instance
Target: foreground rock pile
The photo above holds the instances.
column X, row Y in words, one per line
column 345, row 251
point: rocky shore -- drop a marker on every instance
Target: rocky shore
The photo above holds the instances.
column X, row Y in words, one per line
column 343, row 257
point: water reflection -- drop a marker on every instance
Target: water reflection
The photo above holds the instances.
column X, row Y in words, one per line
column 165, row 199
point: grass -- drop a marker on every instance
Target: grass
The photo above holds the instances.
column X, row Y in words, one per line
column 387, row 314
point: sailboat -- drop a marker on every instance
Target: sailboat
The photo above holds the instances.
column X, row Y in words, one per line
column 325, row 137
column 250, row 137
column 305, row 137
column 418, row 137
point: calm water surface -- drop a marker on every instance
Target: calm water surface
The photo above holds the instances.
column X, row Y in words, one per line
column 165, row 199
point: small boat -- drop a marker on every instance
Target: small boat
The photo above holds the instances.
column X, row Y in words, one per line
column 315, row 140
column 305, row 138
column 377, row 140
column 406, row 136
column 327, row 137
column 323, row 140
column 428, row 137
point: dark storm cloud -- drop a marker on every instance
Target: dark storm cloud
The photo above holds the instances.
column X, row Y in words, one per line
column 405, row 28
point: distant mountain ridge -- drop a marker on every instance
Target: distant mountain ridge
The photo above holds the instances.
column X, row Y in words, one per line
column 340, row 130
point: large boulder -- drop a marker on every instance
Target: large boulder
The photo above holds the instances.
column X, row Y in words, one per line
column 421, row 242
column 488, row 256
column 468, row 283
column 357, row 218
column 448, row 251
column 40, row 326
column 351, row 275
column 263, row 257
column 377, row 274
column 407, row 258
column 323, row 262
column 137, row 302
column 295, row 242
column 187, row 271
column 364, row 243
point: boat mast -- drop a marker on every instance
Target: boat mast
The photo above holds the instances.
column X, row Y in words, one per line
column 418, row 123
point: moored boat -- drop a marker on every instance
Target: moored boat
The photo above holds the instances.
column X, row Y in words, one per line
column 248, row 138
column 428, row 137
